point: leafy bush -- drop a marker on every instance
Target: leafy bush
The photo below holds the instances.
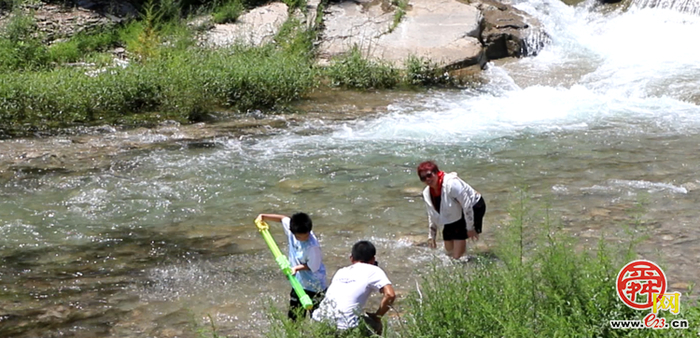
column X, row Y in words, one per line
column 356, row 72
column 295, row 4
column 82, row 44
column 423, row 72
column 228, row 11
column 185, row 85
column 21, row 46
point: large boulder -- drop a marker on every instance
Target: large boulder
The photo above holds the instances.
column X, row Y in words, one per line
column 445, row 32
column 253, row 28
column 510, row 32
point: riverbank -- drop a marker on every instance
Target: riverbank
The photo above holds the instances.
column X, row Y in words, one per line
column 84, row 149
column 156, row 62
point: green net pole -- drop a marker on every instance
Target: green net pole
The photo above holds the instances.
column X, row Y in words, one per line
column 283, row 264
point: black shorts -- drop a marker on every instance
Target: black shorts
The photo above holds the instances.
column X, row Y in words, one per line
column 458, row 230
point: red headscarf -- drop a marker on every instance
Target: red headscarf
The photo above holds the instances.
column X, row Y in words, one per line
column 436, row 193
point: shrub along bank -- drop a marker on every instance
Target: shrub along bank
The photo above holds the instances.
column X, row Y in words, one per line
column 169, row 75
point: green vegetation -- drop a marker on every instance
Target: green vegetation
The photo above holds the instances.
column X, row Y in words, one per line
column 354, row 71
column 21, row 46
column 77, row 81
column 357, row 72
column 541, row 286
column 82, row 46
column 9, row 5
column 282, row 327
column 401, row 7
column 536, row 284
column 228, row 11
column 184, row 86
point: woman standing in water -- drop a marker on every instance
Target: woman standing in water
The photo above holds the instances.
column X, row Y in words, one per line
column 452, row 204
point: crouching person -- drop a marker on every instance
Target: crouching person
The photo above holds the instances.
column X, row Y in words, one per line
column 349, row 290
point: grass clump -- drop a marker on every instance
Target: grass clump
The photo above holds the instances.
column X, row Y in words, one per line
column 354, row 71
column 228, row 11
column 9, row 5
column 542, row 289
column 82, row 45
column 423, row 72
column 282, row 327
column 21, row 45
column 292, row 4
column 400, row 11
column 185, row 86
column 357, row 72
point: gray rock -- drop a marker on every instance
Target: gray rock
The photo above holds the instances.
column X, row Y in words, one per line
column 255, row 27
column 443, row 31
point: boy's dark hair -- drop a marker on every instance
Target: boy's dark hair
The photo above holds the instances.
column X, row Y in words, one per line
column 363, row 251
column 300, row 223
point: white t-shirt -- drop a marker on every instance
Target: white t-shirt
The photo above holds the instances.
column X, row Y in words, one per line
column 309, row 253
column 349, row 290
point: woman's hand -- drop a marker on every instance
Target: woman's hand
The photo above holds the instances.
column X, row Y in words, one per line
column 431, row 243
column 472, row 234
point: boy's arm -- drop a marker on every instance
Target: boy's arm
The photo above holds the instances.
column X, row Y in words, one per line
column 300, row 267
column 276, row 218
column 270, row 217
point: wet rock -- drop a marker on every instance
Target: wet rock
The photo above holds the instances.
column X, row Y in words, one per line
column 690, row 186
column 510, row 32
column 180, row 316
column 106, row 129
column 59, row 312
column 416, row 240
column 301, row 185
column 412, row 191
column 480, row 247
column 203, row 145
column 169, row 333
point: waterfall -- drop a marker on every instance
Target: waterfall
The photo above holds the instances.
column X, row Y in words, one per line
column 534, row 40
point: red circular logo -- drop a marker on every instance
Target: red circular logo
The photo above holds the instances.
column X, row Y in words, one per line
column 640, row 278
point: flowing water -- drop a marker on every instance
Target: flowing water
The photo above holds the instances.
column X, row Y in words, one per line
column 161, row 241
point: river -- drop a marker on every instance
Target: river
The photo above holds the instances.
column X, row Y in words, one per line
column 161, row 239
